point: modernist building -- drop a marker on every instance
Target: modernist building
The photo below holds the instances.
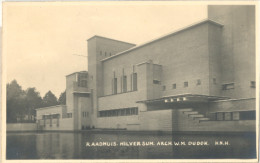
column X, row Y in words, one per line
column 199, row 78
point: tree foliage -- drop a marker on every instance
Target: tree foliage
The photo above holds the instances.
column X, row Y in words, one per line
column 49, row 99
column 33, row 100
column 21, row 103
column 62, row 98
column 15, row 101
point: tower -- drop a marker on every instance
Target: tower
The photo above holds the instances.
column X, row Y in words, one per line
column 237, row 49
column 100, row 48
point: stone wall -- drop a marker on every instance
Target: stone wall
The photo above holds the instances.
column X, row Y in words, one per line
column 21, row 127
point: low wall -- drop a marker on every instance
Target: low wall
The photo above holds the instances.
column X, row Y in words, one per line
column 160, row 120
column 120, row 122
column 21, row 127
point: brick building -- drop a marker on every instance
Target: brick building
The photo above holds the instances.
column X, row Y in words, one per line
column 199, row 78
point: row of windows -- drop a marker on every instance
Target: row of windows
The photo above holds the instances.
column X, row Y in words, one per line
column 51, row 116
column 229, row 116
column 124, row 83
column 105, row 54
column 232, row 85
column 224, row 86
column 174, row 86
column 119, row 112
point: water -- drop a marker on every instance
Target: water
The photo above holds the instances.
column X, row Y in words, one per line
column 58, row 145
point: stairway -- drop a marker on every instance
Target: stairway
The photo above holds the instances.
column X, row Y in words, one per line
column 194, row 115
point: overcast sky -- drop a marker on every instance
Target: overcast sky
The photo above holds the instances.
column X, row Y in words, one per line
column 40, row 38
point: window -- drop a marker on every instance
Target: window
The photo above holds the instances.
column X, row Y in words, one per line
column 114, row 86
column 214, row 81
column 198, row 82
column 228, row 116
column 124, row 83
column 252, row 84
column 156, row 82
column 186, row 84
column 163, row 87
column 220, row 116
column 247, row 115
column 128, row 111
column 134, row 81
column 228, row 86
column 174, row 86
column 82, row 79
column 69, row 115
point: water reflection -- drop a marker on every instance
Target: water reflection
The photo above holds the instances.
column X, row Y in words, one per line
column 73, row 146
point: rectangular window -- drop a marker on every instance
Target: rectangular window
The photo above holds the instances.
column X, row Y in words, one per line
column 252, row 84
column 247, row 115
column 82, row 79
column 228, row 86
column 214, row 81
column 186, row 84
column 69, row 115
column 134, row 81
column 122, row 112
column 174, row 86
column 136, row 111
column 156, row 82
column 115, row 86
column 163, row 88
column 124, row 83
column 228, row 116
column 198, row 82
column 128, row 111
column 235, row 115
column 220, row 116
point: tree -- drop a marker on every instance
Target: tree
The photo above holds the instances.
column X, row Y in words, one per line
column 49, row 99
column 62, row 98
column 33, row 101
column 15, row 102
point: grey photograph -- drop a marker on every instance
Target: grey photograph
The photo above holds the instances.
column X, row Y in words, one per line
column 128, row 81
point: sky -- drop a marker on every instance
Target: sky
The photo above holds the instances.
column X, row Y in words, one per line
column 40, row 38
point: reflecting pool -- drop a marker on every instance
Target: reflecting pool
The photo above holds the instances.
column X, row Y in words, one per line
column 87, row 145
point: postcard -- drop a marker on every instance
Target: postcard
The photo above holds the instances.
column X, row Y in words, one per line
column 130, row 81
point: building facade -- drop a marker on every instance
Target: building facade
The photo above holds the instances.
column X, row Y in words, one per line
column 199, row 78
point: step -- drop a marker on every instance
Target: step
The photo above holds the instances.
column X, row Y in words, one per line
column 202, row 119
column 186, row 109
column 196, row 115
column 190, row 112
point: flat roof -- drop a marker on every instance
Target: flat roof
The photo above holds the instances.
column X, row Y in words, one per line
column 49, row 107
column 77, row 72
column 82, row 92
column 165, row 36
column 109, row 39
column 184, row 95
